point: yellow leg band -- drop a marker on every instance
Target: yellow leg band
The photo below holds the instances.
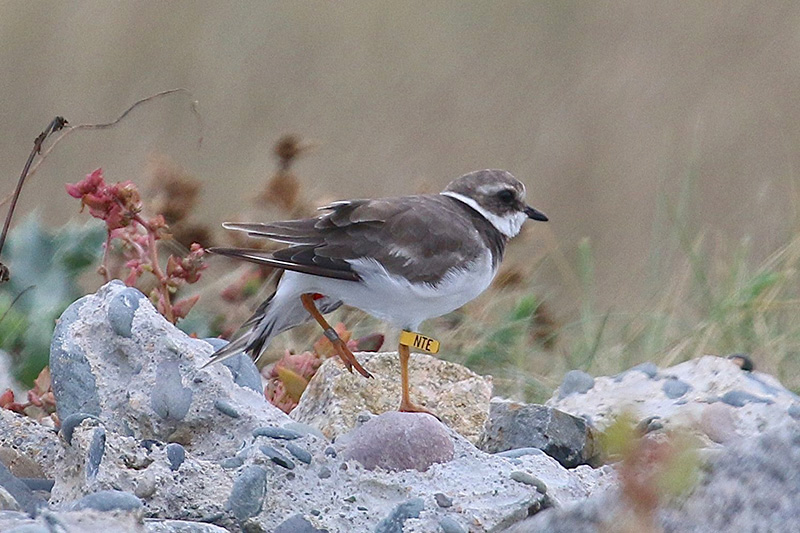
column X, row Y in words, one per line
column 419, row 342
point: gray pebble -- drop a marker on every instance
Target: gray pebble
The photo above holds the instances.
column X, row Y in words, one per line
column 528, row 479
column 276, row 457
column 96, row 450
column 276, row 433
column 226, row 408
column 330, row 451
column 299, row 453
column 36, row 483
column 145, row 487
column 675, row 388
column 108, row 500
column 69, row 424
column 169, row 398
column 738, row 398
column 74, row 384
column 649, row 369
column 649, row 424
column 520, row 452
column 575, row 381
column 443, row 500
column 245, row 373
column 121, row 309
column 794, row 410
column 297, row 524
column 394, row 522
column 27, row 500
column 232, row 462
column 248, row 493
column 449, row 525
column 176, row 454
column 324, row 472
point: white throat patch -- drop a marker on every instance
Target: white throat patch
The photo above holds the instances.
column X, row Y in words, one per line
column 508, row 225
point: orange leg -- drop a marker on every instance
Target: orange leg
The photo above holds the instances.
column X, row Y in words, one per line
column 339, row 345
column 406, row 405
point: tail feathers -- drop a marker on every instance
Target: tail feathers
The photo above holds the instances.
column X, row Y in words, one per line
column 275, row 315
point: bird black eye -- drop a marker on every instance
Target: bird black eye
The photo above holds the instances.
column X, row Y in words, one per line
column 506, row 196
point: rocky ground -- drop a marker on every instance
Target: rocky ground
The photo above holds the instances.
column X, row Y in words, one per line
column 152, row 442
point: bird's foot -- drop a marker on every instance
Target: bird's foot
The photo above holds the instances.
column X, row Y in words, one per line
column 406, row 406
column 349, row 359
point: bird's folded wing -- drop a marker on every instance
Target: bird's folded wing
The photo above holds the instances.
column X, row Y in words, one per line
column 411, row 236
column 297, row 258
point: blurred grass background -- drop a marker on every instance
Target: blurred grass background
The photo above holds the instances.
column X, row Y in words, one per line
column 660, row 138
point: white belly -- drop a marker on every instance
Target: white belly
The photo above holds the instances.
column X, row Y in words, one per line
column 393, row 298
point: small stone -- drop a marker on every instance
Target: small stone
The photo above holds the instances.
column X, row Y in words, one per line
column 22, row 495
column 449, row 525
column 529, row 479
column 350, row 499
column 565, row 438
column 96, row 450
column 443, row 500
column 394, row 522
column 575, row 381
column 362, row 508
column 276, row 457
column 176, row 454
column 649, row 369
column 520, row 452
column 108, row 500
column 299, row 453
column 226, row 408
column 121, row 309
column 315, row 512
column 248, row 493
column 74, row 384
column 330, row 451
column 739, row 398
column 232, row 462
column 169, row 398
column 399, row 441
column 324, row 472
column 276, row 433
column 297, row 524
column 74, row 420
column 675, row 388
column 245, row 373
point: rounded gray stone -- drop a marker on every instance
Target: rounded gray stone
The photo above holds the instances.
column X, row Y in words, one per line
column 69, row 424
column 108, row 500
column 449, row 525
column 301, row 454
column 276, row 457
column 176, row 454
column 276, row 433
column 575, row 382
column 248, row 493
column 245, row 373
column 649, row 369
column 739, row 398
column 169, row 398
column 74, row 383
column 394, row 522
column 96, row 450
column 121, row 309
column 226, row 408
column 399, row 441
column 675, row 388
column 297, row 524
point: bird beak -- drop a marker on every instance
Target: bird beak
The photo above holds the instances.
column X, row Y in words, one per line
column 535, row 214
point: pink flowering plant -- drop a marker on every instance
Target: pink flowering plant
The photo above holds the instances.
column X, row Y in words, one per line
column 120, row 207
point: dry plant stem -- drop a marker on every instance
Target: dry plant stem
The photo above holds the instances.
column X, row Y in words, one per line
column 71, row 129
column 159, row 274
column 55, row 125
